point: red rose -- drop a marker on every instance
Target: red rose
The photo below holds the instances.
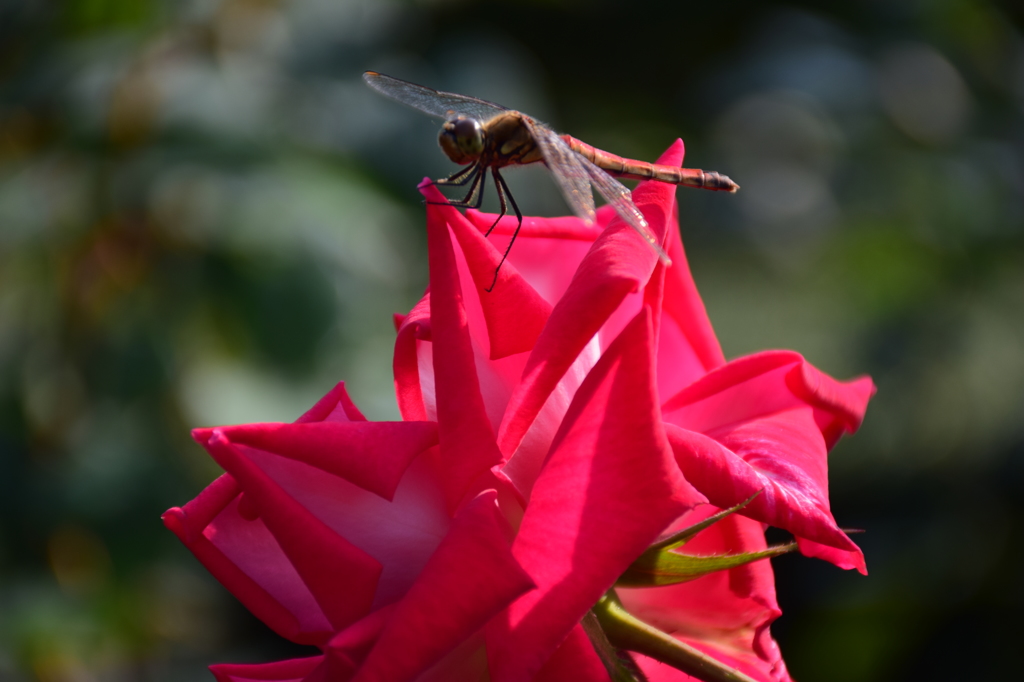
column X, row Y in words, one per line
column 537, row 459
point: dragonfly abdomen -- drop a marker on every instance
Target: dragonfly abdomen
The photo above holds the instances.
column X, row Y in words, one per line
column 632, row 169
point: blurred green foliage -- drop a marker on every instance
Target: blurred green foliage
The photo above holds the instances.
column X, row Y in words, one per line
column 206, row 218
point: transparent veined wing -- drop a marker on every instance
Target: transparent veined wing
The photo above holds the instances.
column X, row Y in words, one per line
column 574, row 175
column 618, row 195
column 429, row 101
column 566, row 167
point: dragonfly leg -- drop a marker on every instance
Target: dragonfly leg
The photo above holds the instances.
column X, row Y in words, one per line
column 468, row 201
column 501, row 198
column 460, row 177
column 503, row 192
column 477, row 188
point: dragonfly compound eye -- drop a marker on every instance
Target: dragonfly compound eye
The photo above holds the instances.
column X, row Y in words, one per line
column 462, row 139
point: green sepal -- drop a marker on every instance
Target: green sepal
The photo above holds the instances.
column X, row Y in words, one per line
column 660, row 565
column 670, row 568
column 680, row 537
column 625, row 631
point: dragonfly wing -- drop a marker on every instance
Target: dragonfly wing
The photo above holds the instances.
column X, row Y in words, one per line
column 574, row 175
column 566, row 167
column 433, row 102
column 618, row 195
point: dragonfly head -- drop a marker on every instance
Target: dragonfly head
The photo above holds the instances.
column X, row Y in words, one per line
column 462, row 139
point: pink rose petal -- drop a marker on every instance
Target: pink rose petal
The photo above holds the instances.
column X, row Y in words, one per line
column 608, row 488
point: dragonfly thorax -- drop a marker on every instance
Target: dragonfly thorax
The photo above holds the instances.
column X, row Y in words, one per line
column 462, row 139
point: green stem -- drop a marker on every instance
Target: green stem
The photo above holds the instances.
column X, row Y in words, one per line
column 619, row 664
column 625, row 631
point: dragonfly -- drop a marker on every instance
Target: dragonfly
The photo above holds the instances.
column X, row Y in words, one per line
column 484, row 136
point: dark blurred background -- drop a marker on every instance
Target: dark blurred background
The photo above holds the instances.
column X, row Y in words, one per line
column 207, row 218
